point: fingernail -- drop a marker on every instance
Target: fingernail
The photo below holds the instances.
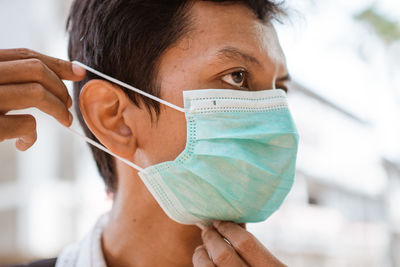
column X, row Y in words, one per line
column 217, row 224
column 70, row 118
column 204, row 231
column 199, row 247
column 69, row 102
column 78, row 70
column 21, row 145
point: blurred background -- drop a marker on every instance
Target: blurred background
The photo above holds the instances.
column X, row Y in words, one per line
column 344, row 209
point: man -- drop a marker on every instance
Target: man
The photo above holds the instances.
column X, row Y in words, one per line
column 162, row 48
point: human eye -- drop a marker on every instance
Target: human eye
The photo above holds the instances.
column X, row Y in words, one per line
column 237, row 79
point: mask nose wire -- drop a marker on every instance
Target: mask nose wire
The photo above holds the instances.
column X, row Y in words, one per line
column 127, row 86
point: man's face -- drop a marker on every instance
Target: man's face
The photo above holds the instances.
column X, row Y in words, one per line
column 226, row 48
column 229, row 48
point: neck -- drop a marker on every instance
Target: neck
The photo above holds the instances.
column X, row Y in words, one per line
column 139, row 233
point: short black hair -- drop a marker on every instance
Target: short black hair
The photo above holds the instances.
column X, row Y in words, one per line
column 125, row 39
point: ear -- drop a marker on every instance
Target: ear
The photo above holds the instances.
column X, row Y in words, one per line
column 104, row 108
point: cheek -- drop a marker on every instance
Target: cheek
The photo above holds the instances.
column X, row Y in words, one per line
column 168, row 136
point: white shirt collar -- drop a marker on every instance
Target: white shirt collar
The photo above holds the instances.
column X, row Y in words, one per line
column 88, row 252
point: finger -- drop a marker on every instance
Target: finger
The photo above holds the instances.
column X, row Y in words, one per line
column 201, row 258
column 64, row 69
column 248, row 247
column 22, row 127
column 221, row 253
column 33, row 70
column 21, row 96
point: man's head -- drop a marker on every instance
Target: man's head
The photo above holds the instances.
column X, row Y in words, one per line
column 164, row 48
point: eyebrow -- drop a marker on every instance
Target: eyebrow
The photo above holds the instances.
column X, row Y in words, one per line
column 233, row 53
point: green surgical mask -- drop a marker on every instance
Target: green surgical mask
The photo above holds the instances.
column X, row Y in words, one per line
column 239, row 161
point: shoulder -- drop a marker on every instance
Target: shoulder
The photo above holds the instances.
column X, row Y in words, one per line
column 40, row 263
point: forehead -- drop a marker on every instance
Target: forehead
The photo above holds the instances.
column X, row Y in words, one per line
column 216, row 25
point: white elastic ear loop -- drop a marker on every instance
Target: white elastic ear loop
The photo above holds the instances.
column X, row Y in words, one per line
column 127, row 86
column 99, row 146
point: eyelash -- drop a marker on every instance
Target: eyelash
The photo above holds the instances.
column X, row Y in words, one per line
column 282, row 86
column 245, row 78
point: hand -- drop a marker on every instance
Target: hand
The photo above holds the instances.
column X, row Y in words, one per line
column 29, row 79
column 244, row 249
